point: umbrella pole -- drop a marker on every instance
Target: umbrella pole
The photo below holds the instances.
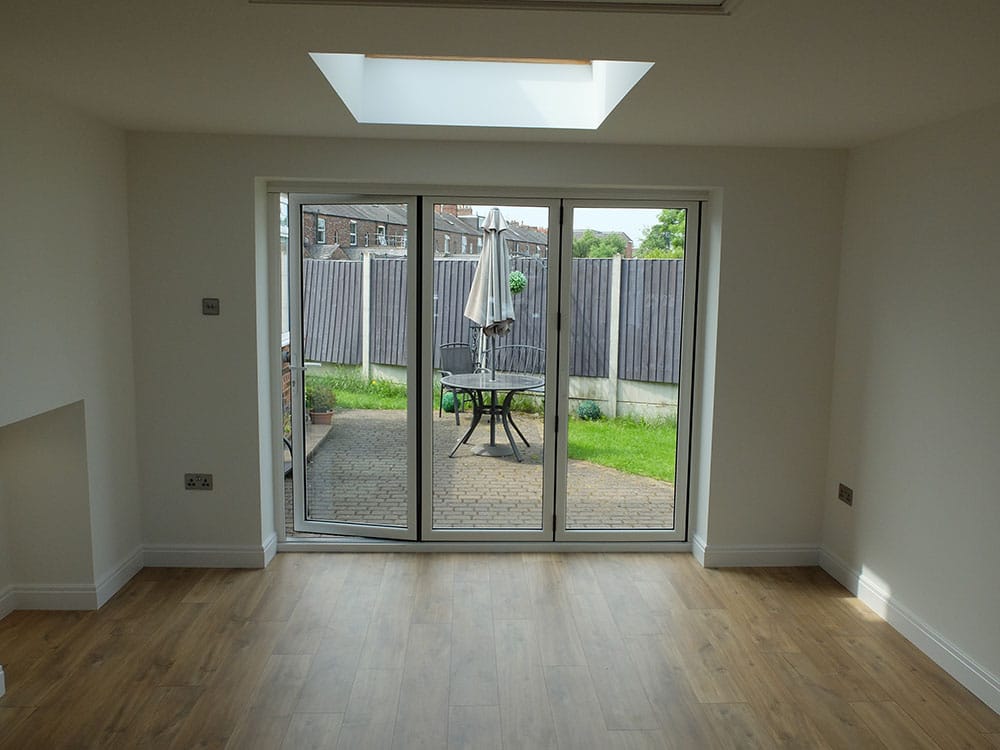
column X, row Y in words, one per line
column 496, row 304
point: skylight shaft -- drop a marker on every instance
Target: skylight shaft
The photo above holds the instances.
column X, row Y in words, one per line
column 479, row 92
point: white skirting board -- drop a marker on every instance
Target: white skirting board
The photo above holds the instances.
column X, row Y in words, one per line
column 71, row 595
column 8, row 601
column 754, row 555
column 979, row 681
column 204, row 556
column 84, row 596
column 124, row 572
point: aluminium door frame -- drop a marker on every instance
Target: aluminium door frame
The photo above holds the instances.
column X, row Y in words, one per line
column 410, row 456
column 305, row 192
column 692, row 248
column 545, row 532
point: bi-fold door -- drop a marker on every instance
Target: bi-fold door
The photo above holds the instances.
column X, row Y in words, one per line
column 353, row 303
column 601, row 324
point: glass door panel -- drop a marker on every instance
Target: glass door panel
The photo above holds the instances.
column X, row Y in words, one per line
column 351, row 335
column 493, row 281
column 629, row 270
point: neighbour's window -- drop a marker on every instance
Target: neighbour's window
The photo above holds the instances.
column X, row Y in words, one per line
column 447, row 244
column 321, row 231
column 354, row 233
column 465, row 245
column 380, row 235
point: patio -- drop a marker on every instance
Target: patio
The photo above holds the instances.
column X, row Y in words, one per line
column 357, row 474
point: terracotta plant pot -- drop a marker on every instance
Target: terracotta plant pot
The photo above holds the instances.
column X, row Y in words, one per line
column 321, row 417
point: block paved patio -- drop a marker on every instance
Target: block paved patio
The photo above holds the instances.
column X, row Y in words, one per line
column 357, row 473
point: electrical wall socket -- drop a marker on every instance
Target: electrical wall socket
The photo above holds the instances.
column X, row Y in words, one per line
column 197, row 481
column 209, row 305
column 845, row 494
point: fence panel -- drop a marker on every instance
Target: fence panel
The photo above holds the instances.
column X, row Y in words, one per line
column 529, row 305
column 331, row 310
column 651, row 304
column 388, row 313
column 650, row 312
column 452, row 282
column 591, row 322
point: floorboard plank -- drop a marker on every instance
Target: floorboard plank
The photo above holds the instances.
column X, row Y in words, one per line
column 371, row 712
column 893, row 726
column 473, row 650
column 474, row 728
column 736, row 727
column 575, row 708
column 623, row 702
column 312, row 732
column 525, row 714
column 422, row 718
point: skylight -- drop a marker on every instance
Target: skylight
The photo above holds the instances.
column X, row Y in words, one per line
column 481, row 92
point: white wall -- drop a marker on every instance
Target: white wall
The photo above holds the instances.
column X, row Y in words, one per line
column 915, row 424
column 65, row 304
column 43, row 466
column 773, row 261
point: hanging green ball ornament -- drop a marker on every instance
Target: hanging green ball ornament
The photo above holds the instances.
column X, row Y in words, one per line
column 518, row 281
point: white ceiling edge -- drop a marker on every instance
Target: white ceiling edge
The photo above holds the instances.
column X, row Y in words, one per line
column 478, row 93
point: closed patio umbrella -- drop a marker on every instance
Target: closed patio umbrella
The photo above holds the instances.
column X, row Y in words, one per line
column 491, row 304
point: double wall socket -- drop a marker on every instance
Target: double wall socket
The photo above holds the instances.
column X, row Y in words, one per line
column 197, row 481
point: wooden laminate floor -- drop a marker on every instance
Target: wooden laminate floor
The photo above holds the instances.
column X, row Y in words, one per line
column 478, row 651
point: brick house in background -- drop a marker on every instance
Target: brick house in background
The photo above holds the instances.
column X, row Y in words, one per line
column 457, row 231
column 525, row 240
column 345, row 232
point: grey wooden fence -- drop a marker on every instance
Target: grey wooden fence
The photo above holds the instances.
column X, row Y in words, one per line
column 331, row 311
column 591, row 321
column 388, row 323
column 649, row 339
column 649, row 313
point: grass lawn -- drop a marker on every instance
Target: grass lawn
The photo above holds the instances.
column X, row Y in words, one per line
column 354, row 392
column 635, row 446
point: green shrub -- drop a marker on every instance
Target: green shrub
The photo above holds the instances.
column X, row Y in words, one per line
column 319, row 394
column 588, row 410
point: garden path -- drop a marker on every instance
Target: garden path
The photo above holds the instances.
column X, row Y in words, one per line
column 358, row 474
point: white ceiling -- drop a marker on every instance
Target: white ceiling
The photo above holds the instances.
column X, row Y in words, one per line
column 775, row 72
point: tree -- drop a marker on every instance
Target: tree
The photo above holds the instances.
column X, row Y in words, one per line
column 665, row 239
column 592, row 245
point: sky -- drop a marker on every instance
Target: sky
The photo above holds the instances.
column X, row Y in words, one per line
column 632, row 221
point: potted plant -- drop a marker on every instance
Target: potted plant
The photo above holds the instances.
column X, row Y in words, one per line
column 320, row 399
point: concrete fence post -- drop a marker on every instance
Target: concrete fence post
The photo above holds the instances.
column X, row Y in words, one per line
column 366, row 316
column 614, row 319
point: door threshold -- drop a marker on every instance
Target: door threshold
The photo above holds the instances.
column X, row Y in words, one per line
column 362, row 544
